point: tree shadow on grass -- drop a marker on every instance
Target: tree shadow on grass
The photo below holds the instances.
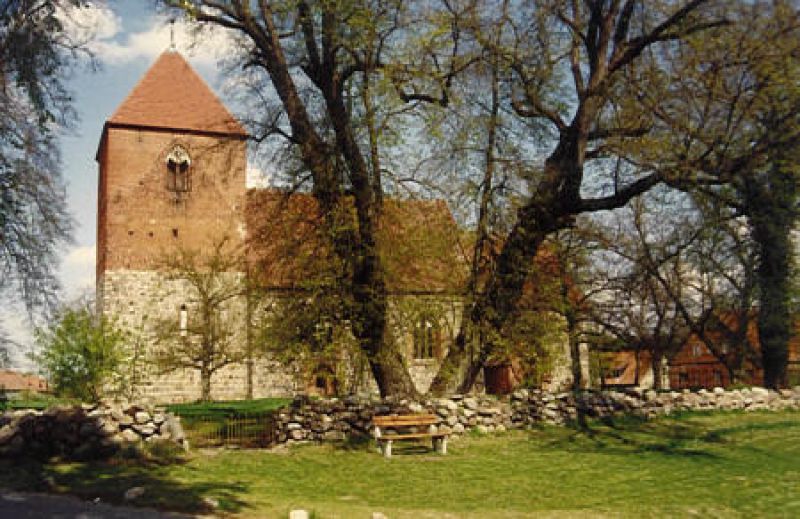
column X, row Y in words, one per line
column 109, row 480
column 637, row 435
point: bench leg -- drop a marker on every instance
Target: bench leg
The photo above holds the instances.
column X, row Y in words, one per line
column 440, row 445
column 387, row 449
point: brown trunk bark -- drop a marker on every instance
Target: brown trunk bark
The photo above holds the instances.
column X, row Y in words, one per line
column 205, row 383
column 658, row 372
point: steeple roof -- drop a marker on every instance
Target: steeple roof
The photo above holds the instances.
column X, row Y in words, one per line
column 172, row 96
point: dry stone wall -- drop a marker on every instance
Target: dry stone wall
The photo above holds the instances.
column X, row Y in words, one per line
column 339, row 419
column 85, row 431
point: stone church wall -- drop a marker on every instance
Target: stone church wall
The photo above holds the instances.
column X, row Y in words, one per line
column 137, row 300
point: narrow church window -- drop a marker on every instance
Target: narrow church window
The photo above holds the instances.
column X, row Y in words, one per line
column 178, row 170
column 426, row 339
column 183, row 321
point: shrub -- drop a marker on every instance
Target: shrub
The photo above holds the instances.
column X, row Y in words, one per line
column 80, row 352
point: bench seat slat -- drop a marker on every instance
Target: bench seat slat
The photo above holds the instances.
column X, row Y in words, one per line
column 411, row 436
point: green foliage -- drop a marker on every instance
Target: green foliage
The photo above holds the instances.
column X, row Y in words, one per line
column 36, row 54
column 312, row 332
column 81, row 353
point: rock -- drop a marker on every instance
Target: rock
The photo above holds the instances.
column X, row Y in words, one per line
column 172, row 427
column 471, row 403
column 415, row 408
column 130, row 436
column 448, row 404
column 294, row 426
column 520, row 394
column 133, row 493
column 159, row 418
column 759, row 391
column 334, row 436
column 88, row 429
column 458, row 429
column 481, row 429
column 145, row 430
column 719, row 391
column 298, row 514
column 210, row 502
column 297, row 434
column 6, row 433
column 378, row 515
column 141, row 417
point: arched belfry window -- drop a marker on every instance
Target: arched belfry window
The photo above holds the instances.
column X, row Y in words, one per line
column 179, row 165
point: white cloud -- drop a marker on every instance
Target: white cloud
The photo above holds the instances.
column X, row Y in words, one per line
column 103, row 32
column 77, row 272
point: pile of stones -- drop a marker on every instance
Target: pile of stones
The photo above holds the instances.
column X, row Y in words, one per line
column 85, row 431
column 336, row 419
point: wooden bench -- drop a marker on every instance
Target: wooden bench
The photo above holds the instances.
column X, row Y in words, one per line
column 407, row 427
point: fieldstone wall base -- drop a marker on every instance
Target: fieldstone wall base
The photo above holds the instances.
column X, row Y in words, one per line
column 85, row 431
column 351, row 417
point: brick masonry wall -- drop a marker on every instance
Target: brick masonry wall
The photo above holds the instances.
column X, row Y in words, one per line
column 139, row 219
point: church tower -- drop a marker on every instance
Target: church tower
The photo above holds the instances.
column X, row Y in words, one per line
column 172, row 163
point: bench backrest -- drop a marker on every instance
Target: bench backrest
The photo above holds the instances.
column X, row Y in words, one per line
column 404, row 420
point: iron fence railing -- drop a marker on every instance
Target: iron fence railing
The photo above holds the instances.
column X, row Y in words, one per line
column 234, row 429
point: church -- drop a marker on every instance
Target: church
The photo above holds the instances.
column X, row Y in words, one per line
column 172, row 177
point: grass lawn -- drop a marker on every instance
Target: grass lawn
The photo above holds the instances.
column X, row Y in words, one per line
column 707, row 465
column 231, row 407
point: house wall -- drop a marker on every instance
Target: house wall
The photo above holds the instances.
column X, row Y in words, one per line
column 694, row 366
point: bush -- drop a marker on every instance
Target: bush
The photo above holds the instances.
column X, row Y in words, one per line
column 79, row 353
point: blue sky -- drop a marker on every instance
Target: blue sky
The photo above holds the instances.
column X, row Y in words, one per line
column 126, row 38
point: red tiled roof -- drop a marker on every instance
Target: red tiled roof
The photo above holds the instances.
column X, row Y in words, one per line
column 15, row 381
column 418, row 243
column 172, row 96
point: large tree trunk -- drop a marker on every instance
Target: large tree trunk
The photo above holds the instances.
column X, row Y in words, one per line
column 771, row 209
column 774, row 318
column 658, row 369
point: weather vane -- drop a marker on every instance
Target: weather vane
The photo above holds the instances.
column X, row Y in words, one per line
column 172, row 46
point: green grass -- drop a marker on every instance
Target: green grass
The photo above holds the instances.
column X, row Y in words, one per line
column 229, row 408
column 710, row 465
column 36, row 401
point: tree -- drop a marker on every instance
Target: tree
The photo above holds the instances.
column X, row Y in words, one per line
column 327, row 64
column 208, row 332
column 81, row 354
column 578, row 67
column 729, row 133
column 36, row 54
